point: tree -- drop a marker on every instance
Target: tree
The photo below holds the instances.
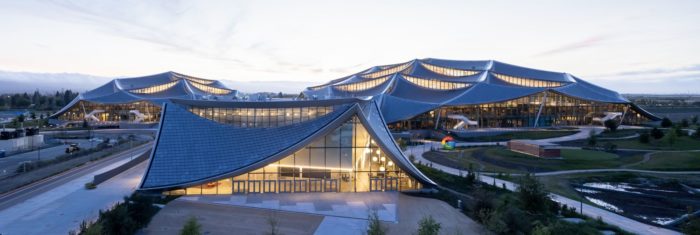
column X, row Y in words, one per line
column 693, row 120
column 611, row 125
column 644, row 138
column 592, row 139
column 666, row 122
column 375, row 226
column 685, row 123
column 20, row 118
column 656, row 133
column 671, row 137
column 191, row 227
column 692, row 227
column 428, row 226
column 533, row 195
column 697, row 133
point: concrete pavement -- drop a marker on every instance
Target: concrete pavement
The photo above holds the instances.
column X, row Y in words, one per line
column 57, row 205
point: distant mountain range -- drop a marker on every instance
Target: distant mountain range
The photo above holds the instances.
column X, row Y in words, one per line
column 17, row 82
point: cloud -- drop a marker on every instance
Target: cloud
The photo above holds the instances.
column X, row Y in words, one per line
column 589, row 42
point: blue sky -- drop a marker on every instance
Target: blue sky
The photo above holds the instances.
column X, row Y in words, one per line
column 628, row 46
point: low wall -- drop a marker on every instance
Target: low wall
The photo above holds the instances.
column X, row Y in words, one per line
column 98, row 179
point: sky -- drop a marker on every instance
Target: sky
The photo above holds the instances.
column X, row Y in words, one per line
column 627, row 46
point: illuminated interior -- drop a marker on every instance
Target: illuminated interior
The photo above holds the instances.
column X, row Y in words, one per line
column 346, row 160
column 210, row 89
column 385, row 72
column 527, row 82
column 361, row 86
column 449, row 71
column 154, row 89
column 261, row 117
column 197, row 80
column 112, row 112
column 436, row 84
column 558, row 110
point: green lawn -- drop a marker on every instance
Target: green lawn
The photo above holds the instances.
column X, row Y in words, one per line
column 539, row 134
column 682, row 143
column 496, row 159
column 619, row 133
column 672, row 161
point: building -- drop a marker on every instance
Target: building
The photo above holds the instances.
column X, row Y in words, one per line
column 137, row 100
column 450, row 94
column 535, row 148
column 224, row 147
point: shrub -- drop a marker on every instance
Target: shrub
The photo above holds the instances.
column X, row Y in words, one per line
column 692, row 227
column 90, row 185
column 592, row 139
column 685, row 123
column 610, row 147
column 533, row 195
column 611, row 125
column 644, row 138
column 666, row 122
column 428, row 226
column 694, row 120
column 375, row 226
column 191, row 227
column 697, row 133
column 670, row 138
column 656, row 133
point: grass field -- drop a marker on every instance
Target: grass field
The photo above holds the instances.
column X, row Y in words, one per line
column 682, row 143
column 667, row 161
column 619, row 133
column 496, row 159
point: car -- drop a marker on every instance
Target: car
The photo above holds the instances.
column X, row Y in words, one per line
column 72, row 148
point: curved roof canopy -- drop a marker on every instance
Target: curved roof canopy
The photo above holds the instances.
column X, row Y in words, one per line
column 179, row 160
column 426, row 84
column 155, row 88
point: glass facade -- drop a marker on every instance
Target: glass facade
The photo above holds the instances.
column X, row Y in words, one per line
column 527, row 82
column 449, row 71
column 346, row 160
column 211, row 89
column 436, row 84
column 361, row 86
column 388, row 71
column 557, row 110
column 154, row 89
column 261, row 117
column 113, row 112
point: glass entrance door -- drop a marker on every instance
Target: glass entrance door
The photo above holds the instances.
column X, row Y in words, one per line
column 238, row 186
column 376, row 184
column 330, row 185
column 301, row 186
column 254, row 186
column 392, row 184
column 285, row 186
column 315, row 185
column 270, row 186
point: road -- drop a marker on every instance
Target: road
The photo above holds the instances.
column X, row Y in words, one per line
column 20, row 195
column 8, row 165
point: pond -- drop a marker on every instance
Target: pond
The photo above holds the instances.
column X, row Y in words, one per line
column 651, row 201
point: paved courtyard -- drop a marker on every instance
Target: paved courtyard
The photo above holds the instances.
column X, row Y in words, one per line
column 309, row 213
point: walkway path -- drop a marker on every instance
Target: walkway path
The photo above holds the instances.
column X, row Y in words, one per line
column 592, row 211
